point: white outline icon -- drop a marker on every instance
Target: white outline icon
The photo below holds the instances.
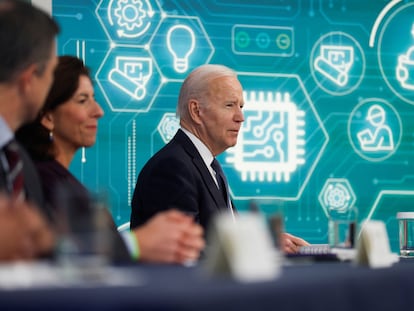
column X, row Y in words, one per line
column 131, row 75
column 133, row 17
column 334, row 63
column 272, row 141
column 180, row 46
column 381, row 139
column 405, row 67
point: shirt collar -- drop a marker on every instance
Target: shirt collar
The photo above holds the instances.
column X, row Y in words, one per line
column 205, row 153
column 6, row 134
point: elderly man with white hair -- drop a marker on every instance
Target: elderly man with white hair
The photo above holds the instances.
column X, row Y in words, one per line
column 185, row 174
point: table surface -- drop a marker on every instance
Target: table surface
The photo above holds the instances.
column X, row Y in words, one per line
column 301, row 286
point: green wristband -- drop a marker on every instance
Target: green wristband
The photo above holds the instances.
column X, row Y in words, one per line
column 135, row 246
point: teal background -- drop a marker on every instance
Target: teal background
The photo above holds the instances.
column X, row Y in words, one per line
column 381, row 183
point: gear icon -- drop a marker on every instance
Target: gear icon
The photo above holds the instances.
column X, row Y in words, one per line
column 337, row 197
column 130, row 14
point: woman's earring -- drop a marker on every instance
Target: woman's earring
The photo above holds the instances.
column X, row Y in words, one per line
column 50, row 136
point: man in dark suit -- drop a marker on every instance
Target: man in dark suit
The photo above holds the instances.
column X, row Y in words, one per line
column 184, row 174
column 28, row 57
column 177, row 177
column 180, row 174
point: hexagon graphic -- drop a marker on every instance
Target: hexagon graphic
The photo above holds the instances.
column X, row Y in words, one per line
column 377, row 205
column 168, row 126
column 179, row 45
column 129, row 21
column 280, row 142
column 337, row 196
column 386, row 205
column 129, row 79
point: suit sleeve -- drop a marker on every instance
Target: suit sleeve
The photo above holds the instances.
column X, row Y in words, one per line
column 33, row 185
column 166, row 184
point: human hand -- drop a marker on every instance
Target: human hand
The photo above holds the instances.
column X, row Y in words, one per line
column 170, row 237
column 291, row 243
column 24, row 234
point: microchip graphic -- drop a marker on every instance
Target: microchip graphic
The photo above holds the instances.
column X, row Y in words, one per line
column 271, row 143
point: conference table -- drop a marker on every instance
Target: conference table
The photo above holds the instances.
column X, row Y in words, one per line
column 301, row 285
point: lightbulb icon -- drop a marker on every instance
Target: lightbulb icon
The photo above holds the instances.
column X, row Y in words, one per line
column 180, row 43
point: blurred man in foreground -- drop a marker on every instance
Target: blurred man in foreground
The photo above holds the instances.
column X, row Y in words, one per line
column 28, row 59
column 28, row 62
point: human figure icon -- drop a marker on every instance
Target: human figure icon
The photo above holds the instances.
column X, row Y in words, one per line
column 378, row 137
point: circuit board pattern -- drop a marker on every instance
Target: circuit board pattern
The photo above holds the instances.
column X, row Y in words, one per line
column 346, row 66
column 271, row 143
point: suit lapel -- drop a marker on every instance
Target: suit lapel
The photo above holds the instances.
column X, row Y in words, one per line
column 210, row 184
column 189, row 147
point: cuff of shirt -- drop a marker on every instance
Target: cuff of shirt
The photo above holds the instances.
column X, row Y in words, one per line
column 131, row 243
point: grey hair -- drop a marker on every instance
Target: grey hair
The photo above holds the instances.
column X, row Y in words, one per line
column 196, row 85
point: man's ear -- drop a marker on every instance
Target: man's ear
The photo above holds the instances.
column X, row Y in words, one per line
column 194, row 110
column 47, row 121
column 26, row 77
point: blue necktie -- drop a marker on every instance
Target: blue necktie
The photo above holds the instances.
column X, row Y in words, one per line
column 221, row 180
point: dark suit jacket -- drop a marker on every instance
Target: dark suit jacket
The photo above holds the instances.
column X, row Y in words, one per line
column 176, row 177
column 32, row 184
column 67, row 196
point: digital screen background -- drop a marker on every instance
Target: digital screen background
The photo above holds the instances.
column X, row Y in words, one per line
column 329, row 91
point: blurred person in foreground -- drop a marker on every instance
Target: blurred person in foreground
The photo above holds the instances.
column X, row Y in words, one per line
column 28, row 59
column 185, row 173
column 67, row 122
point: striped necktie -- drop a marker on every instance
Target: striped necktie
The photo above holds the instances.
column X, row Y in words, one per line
column 15, row 170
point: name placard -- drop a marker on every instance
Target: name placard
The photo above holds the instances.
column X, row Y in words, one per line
column 242, row 248
column 373, row 247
